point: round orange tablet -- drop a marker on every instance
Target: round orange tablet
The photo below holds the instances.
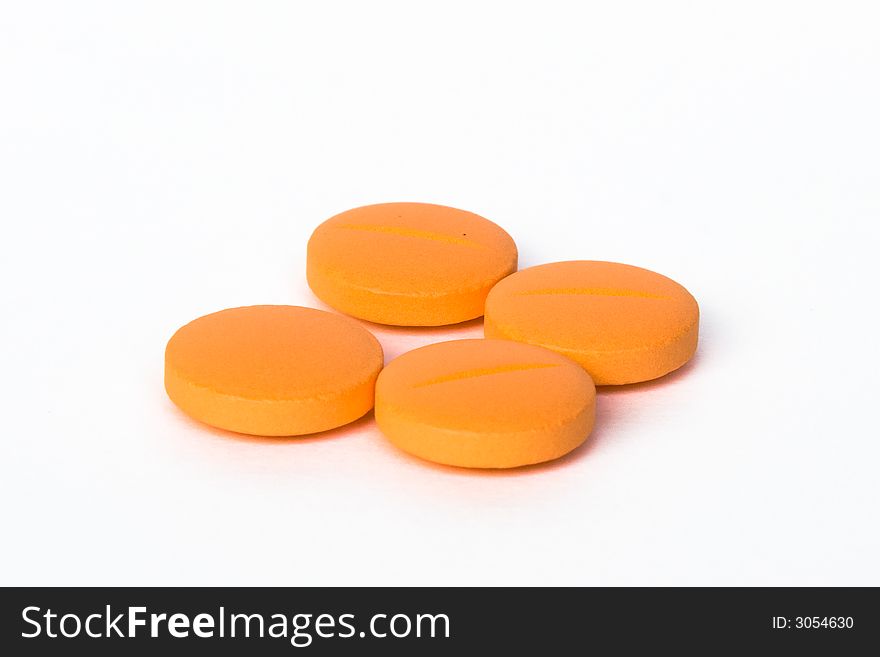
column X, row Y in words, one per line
column 624, row 324
column 408, row 264
column 273, row 370
column 485, row 403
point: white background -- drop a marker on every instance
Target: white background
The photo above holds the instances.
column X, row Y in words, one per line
column 162, row 160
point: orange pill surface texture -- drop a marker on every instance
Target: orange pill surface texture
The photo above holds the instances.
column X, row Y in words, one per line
column 623, row 324
column 273, row 370
column 485, row 403
column 408, row 264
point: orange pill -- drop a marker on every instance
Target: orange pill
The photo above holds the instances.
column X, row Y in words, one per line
column 273, row 370
column 623, row 324
column 485, row 403
column 408, row 264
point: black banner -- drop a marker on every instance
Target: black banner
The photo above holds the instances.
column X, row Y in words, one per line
column 277, row 621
